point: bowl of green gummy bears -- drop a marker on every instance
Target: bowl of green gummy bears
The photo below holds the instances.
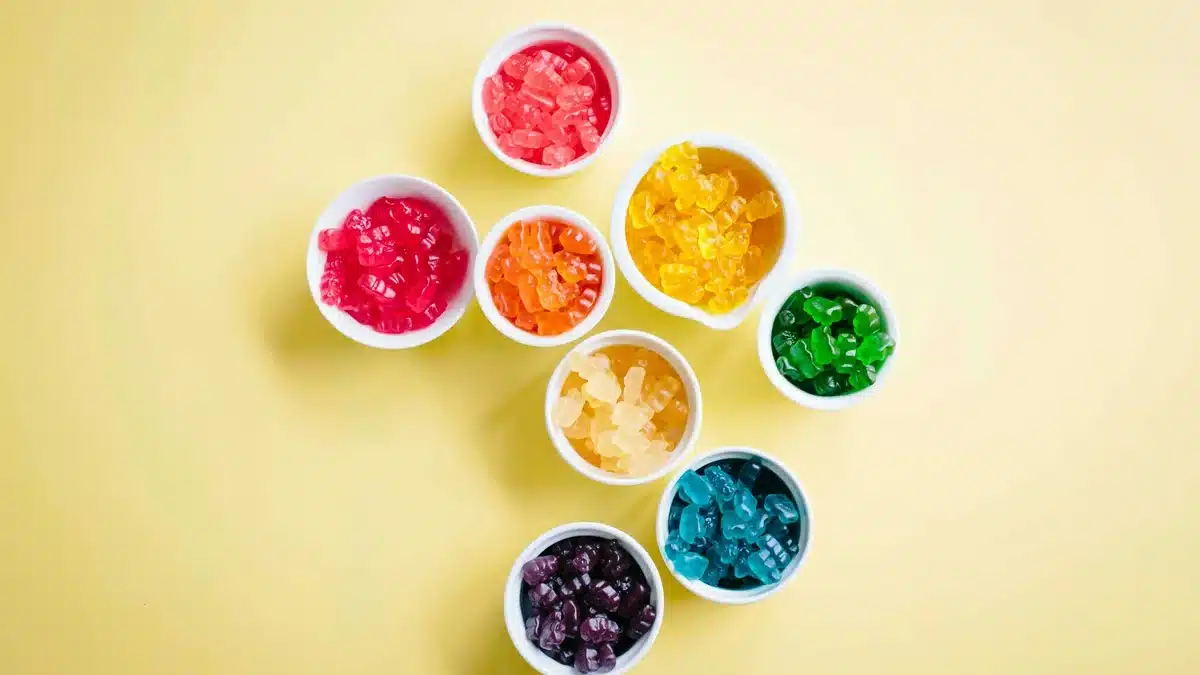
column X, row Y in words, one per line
column 827, row 338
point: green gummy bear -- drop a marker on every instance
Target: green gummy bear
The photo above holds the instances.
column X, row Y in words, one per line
column 862, row 377
column 786, row 319
column 844, row 353
column 787, row 369
column 820, row 340
column 823, row 310
column 866, row 321
column 795, row 301
column 849, row 308
column 801, row 357
column 830, row 384
column 875, row 348
column 783, row 340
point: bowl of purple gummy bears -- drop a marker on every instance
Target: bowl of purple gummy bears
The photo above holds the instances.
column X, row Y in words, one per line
column 583, row 598
column 734, row 527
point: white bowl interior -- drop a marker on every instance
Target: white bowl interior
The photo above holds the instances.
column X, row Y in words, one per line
column 691, row 385
column 857, row 286
column 498, row 233
column 791, row 232
column 746, row 596
column 360, row 196
column 512, row 596
column 515, row 42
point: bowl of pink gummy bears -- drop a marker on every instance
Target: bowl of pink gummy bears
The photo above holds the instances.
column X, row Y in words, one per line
column 546, row 99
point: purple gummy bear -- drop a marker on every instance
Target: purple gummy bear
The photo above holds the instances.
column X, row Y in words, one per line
column 539, row 569
column 574, row 587
column 542, row 596
column 595, row 659
column 633, row 600
column 614, row 560
column 531, row 628
column 553, row 631
column 602, row 596
column 584, row 559
column 571, row 616
column 599, row 629
column 642, row 622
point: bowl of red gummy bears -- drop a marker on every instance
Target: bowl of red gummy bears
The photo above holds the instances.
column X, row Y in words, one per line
column 388, row 261
column 546, row 99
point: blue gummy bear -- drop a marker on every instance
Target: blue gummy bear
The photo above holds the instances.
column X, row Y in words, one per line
column 757, row 525
column 673, row 516
column 691, row 524
column 674, row 546
column 778, row 530
column 691, row 565
column 723, row 484
column 763, row 566
column 710, row 523
column 733, row 529
column 695, row 489
column 744, row 504
column 700, row 545
column 777, row 550
column 727, row 550
column 749, row 472
column 782, row 508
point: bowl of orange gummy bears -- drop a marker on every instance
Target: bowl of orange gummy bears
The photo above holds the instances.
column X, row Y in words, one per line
column 623, row 407
column 701, row 225
column 544, row 276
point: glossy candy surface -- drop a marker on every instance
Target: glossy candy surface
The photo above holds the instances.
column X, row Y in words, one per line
column 601, row 607
column 828, row 342
column 703, row 227
column 545, row 276
column 548, row 104
column 396, row 267
column 733, row 533
column 623, row 408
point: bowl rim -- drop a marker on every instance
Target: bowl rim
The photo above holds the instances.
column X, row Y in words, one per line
column 773, row 304
column 334, row 214
column 691, row 385
column 770, row 463
column 790, row 211
column 524, row 37
column 483, row 292
column 515, row 623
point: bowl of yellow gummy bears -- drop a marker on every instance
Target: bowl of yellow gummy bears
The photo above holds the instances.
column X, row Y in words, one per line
column 623, row 407
column 701, row 224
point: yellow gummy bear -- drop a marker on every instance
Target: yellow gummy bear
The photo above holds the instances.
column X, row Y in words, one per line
column 685, row 184
column 656, row 184
column 665, row 220
column 713, row 189
column 680, row 282
column 764, row 205
column 641, row 210
column 729, row 213
column 681, row 156
column 708, row 237
column 736, row 239
column 727, row 299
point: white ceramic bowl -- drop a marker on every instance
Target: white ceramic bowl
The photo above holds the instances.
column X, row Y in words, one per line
column 791, row 231
column 360, row 196
column 859, row 287
column 747, row 596
column 515, row 42
column 512, row 596
column 499, row 232
column 691, row 385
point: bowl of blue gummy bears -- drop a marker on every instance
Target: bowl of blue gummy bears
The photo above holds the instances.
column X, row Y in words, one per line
column 735, row 526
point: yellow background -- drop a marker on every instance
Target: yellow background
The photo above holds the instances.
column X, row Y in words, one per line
column 199, row 476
